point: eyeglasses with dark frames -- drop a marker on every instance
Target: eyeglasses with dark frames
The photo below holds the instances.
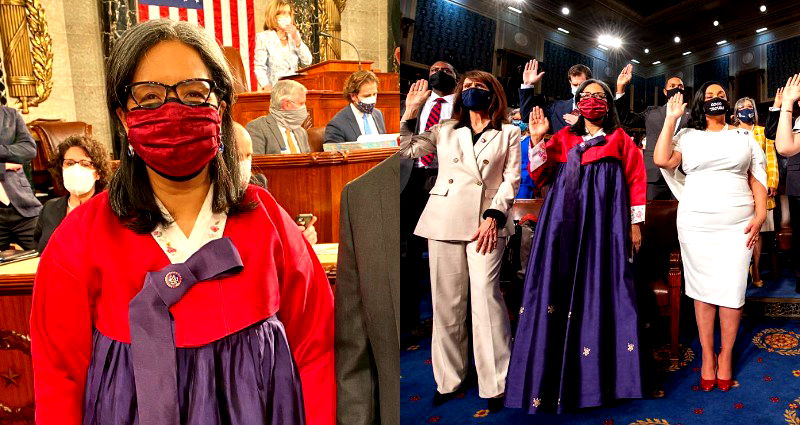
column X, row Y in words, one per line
column 83, row 163
column 598, row 95
column 152, row 94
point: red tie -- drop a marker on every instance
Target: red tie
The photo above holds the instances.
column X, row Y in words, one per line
column 433, row 118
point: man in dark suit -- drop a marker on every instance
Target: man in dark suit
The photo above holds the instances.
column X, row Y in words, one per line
column 18, row 206
column 282, row 130
column 367, row 302
column 438, row 107
column 360, row 116
column 561, row 113
column 652, row 119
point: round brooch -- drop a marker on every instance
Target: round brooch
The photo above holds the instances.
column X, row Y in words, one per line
column 173, row 279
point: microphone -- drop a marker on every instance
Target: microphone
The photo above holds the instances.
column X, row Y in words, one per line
column 358, row 55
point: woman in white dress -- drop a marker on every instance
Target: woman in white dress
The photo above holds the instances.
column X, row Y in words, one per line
column 722, row 207
column 279, row 49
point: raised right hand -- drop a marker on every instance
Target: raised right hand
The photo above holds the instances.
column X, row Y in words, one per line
column 778, row 98
column 791, row 92
column 531, row 74
column 417, row 94
column 538, row 124
column 675, row 107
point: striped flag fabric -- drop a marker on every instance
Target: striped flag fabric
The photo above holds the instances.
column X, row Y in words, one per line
column 230, row 22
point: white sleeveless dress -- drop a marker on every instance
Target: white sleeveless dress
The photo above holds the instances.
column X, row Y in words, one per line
column 716, row 204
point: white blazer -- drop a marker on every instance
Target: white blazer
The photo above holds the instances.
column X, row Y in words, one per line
column 471, row 178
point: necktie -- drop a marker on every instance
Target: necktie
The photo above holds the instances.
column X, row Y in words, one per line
column 290, row 142
column 152, row 330
column 433, row 118
column 367, row 130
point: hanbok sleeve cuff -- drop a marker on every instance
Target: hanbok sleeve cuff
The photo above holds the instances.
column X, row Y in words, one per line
column 637, row 214
column 537, row 156
column 497, row 215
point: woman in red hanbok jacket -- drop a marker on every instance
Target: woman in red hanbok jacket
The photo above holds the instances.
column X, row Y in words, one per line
column 577, row 342
column 177, row 296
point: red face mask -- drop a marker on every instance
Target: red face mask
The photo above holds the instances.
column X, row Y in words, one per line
column 175, row 139
column 593, row 108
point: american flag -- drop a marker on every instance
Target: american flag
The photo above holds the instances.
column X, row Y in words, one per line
column 230, row 22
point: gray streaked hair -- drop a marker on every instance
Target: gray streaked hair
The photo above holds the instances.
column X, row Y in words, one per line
column 284, row 89
column 130, row 194
column 740, row 103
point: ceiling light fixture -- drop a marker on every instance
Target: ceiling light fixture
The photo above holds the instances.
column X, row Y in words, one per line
column 646, row 51
column 763, row 8
column 760, row 30
column 634, row 61
column 656, row 62
column 721, row 42
column 716, row 23
column 676, row 39
column 687, row 53
column 514, row 9
column 609, row 40
column 565, row 10
column 563, row 30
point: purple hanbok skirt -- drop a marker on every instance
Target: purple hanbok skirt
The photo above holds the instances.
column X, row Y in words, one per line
column 246, row 378
column 577, row 341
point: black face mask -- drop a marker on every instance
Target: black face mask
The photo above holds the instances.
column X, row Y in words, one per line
column 443, row 82
column 673, row 91
column 715, row 106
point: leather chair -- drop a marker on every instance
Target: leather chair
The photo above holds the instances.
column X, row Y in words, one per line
column 316, row 137
column 658, row 264
column 237, row 69
column 48, row 135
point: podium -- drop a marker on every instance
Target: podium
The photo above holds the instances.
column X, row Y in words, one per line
column 325, row 82
column 331, row 75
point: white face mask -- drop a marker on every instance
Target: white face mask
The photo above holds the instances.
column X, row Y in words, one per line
column 78, row 180
column 245, row 170
column 284, row 21
column 370, row 100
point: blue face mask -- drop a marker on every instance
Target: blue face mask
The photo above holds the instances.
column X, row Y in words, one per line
column 747, row 116
column 523, row 126
column 476, row 99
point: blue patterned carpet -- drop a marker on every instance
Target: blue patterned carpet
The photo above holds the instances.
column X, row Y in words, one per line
column 767, row 368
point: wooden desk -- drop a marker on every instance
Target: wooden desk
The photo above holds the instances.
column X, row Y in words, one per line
column 16, row 370
column 331, row 75
column 312, row 183
column 322, row 106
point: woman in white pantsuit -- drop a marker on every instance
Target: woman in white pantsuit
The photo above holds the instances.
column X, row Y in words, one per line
column 722, row 207
column 466, row 227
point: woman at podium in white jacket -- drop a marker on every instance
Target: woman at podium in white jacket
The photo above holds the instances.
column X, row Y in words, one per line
column 279, row 49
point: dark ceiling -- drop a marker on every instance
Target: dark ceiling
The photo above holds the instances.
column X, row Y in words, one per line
column 652, row 24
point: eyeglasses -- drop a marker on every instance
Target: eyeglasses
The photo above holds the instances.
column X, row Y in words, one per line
column 191, row 92
column 84, row 163
column 599, row 95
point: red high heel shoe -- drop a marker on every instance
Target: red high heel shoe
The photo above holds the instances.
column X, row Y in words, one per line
column 724, row 384
column 708, row 384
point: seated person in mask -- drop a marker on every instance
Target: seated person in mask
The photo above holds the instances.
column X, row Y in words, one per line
column 245, row 145
column 82, row 167
column 282, row 130
column 360, row 116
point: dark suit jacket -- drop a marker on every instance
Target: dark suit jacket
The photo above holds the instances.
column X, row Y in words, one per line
column 367, row 301
column 17, row 147
column 52, row 214
column 343, row 127
column 652, row 119
column 792, row 179
column 554, row 111
column 267, row 137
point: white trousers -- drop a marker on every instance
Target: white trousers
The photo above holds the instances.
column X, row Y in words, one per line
column 456, row 270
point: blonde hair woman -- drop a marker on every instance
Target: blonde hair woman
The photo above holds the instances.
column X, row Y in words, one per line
column 745, row 117
column 279, row 49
